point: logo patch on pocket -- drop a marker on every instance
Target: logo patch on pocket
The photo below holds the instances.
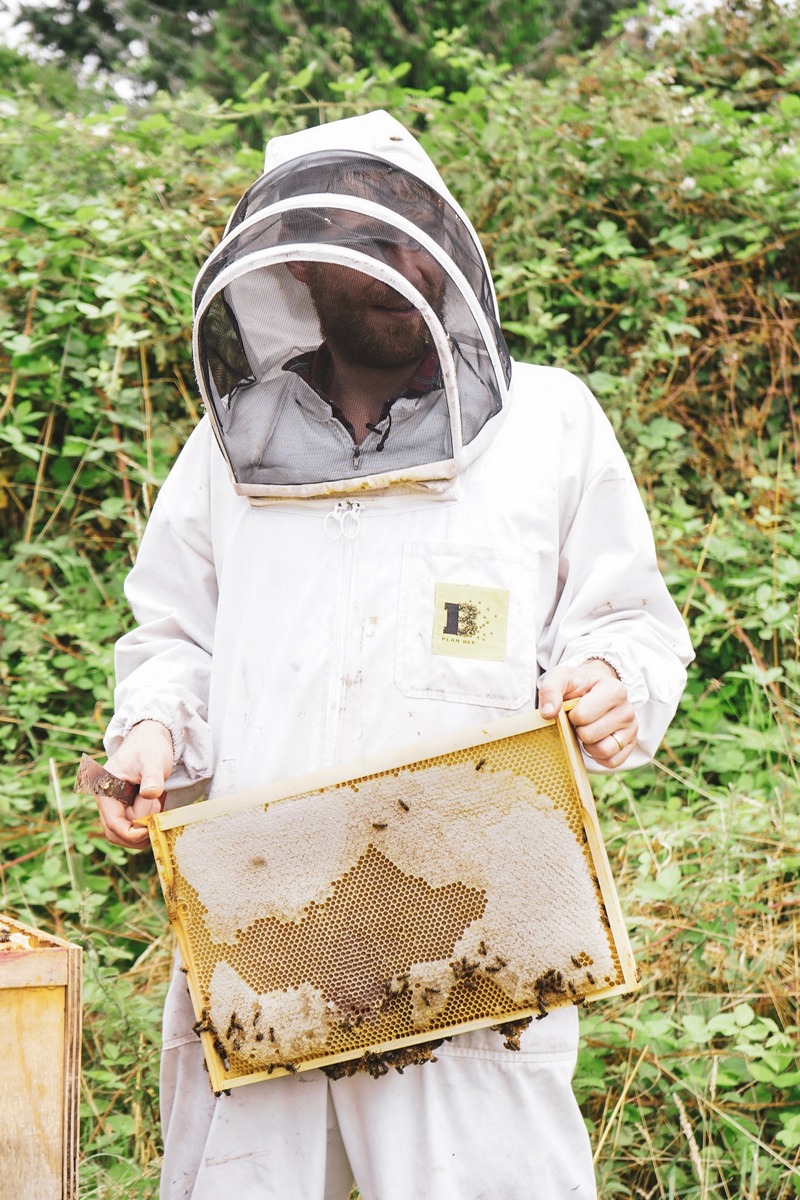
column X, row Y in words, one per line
column 470, row 622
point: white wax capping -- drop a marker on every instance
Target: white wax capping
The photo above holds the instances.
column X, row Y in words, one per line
column 298, row 1018
column 546, row 909
column 492, row 830
column 277, row 865
column 17, row 941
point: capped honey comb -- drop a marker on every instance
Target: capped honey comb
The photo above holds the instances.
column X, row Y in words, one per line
column 345, row 915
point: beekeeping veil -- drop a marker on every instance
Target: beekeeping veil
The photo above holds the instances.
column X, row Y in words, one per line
column 360, row 196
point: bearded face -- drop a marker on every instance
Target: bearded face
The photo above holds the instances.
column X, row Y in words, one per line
column 367, row 322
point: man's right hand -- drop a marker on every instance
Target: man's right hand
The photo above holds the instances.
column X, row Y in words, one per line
column 145, row 757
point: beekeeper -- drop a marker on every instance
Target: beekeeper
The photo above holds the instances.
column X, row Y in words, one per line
column 382, row 530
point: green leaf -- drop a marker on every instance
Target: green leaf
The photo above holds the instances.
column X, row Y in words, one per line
column 697, row 1029
column 744, row 1015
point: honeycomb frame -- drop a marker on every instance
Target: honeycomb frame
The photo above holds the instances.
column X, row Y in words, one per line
column 291, row 966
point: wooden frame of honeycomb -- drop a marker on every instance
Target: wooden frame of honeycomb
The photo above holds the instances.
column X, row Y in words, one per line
column 344, row 918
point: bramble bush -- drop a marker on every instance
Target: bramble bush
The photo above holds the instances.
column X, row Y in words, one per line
column 641, row 212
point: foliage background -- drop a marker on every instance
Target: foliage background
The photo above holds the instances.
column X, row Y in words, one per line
column 640, row 209
column 222, row 45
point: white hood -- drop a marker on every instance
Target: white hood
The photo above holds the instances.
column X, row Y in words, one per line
column 355, row 196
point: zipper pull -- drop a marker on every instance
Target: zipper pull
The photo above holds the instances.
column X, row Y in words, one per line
column 351, row 519
column 356, row 457
column 344, row 520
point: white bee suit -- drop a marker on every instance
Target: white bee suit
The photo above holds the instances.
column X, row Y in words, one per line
column 284, row 628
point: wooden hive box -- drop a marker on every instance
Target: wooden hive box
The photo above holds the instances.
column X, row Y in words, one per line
column 40, row 1031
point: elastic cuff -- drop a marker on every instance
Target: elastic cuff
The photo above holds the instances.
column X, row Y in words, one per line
column 175, row 731
column 599, row 658
column 627, row 673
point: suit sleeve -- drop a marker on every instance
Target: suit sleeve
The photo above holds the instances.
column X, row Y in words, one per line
column 612, row 602
column 163, row 666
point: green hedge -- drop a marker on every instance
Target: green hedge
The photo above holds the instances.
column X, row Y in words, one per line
column 641, row 212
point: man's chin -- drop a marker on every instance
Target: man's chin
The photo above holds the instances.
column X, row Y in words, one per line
column 389, row 346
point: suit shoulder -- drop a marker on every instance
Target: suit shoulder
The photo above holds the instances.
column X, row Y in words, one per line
column 553, row 394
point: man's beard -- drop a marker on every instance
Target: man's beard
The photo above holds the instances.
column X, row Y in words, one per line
column 371, row 325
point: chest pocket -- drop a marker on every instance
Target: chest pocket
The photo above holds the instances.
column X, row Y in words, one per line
column 465, row 628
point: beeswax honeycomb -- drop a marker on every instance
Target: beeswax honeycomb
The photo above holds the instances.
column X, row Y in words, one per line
column 373, row 912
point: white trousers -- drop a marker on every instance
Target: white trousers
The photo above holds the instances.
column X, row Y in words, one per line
column 481, row 1123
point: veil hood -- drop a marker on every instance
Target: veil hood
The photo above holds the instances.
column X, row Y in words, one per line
column 357, row 195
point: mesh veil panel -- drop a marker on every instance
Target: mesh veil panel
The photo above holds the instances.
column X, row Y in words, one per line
column 276, row 427
column 273, row 293
column 347, row 173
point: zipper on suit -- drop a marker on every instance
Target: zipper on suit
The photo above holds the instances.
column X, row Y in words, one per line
column 342, row 523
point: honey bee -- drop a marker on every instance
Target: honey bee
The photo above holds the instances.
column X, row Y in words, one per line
column 378, row 824
column 480, row 764
column 482, row 949
column 203, row 1025
column 591, row 979
column 466, row 973
column 234, row 1026
column 405, row 807
column 220, row 1051
column 512, row 1032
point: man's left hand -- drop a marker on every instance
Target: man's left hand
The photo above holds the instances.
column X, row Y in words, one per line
column 603, row 718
